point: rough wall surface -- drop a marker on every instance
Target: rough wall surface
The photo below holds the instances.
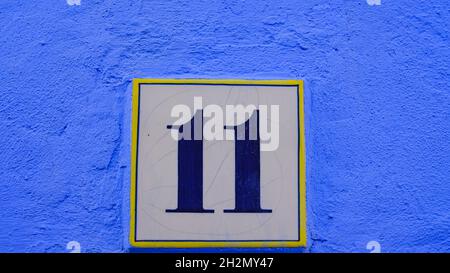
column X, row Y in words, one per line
column 377, row 100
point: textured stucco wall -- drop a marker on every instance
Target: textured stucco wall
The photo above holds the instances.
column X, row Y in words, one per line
column 377, row 102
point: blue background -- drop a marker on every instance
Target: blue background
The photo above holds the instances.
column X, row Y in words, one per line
column 377, row 111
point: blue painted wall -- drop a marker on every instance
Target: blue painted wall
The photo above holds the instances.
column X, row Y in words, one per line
column 377, row 100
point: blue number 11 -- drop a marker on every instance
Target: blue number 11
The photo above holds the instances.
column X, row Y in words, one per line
column 247, row 169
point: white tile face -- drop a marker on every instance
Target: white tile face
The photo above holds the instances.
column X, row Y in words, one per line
column 157, row 169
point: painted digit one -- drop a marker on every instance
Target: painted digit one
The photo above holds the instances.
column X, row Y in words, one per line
column 190, row 167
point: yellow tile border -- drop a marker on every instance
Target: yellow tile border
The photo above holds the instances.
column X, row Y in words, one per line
column 202, row 244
